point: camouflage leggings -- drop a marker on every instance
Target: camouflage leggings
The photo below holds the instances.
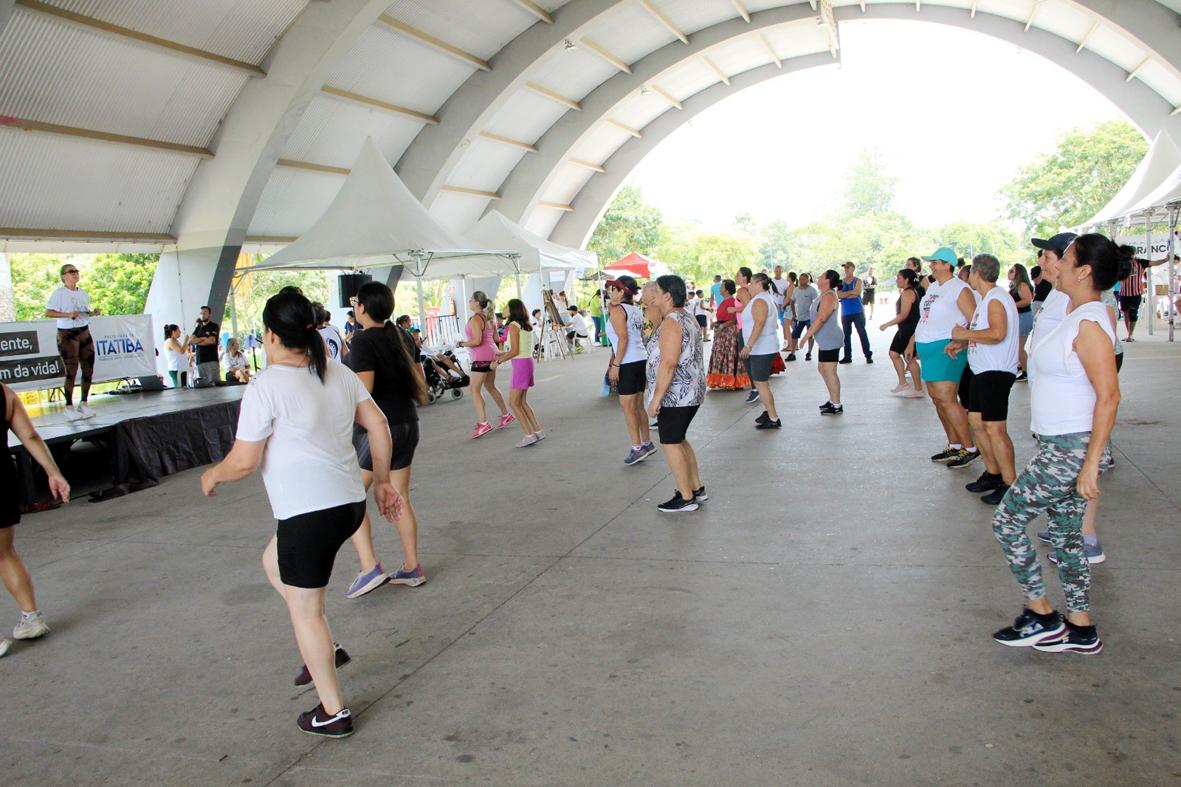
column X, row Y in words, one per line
column 1047, row 485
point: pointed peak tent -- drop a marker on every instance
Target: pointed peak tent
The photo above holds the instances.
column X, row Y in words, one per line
column 636, row 264
column 497, row 231
column 1160, row 162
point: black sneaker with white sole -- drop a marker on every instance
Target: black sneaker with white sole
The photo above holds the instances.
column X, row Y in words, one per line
column 678, row 504
column 1031, row 628
column 304, row 677
column 699, row 494
column 752, row 397
column 963, row 458
column 1083, row 640
column 317, row 722
column 769, row 424
column 946, row 455
column 832, row 409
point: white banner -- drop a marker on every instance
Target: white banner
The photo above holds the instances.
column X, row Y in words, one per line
column 1160, row 246
column 124, row 346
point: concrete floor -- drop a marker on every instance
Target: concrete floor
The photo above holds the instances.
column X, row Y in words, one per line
column 824, row 619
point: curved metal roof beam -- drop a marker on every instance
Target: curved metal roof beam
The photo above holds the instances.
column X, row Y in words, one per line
column 1143, row 106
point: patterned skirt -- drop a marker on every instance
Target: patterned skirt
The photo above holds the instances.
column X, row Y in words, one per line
column 726, row 372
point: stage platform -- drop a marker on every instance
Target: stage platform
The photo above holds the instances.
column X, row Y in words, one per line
column 146, row 435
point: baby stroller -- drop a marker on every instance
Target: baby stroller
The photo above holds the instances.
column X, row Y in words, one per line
column 439, row 380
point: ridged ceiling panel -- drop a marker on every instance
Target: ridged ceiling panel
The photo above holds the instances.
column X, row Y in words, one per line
column 689, row 78
column 574, row 73
column 740, row 55
column 797, row 38
column 566, row 184
column 293, row 200
column 1064, row 19
column 389, row 66
column 480, row 28
column 61, row 73
column 542, row 221
column 1116, row 47
column 241, row 29
column 526, row 116
column 53, row 182
column 458, row 212
column 638, row 110
column 485, row 165
column 331, row 132
column 630, row 32
column 1163, row 80
column 693, row 16
column 599, row 143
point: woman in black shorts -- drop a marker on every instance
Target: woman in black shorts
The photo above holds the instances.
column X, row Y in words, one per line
column 298, row 414
column 907, row 319
column 12, row 569
column 382, row 356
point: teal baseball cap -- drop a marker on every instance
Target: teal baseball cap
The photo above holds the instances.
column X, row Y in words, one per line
column 942, row 254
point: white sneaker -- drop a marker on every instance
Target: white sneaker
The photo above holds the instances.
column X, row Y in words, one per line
column 5, row 644
column 31, row 627
column 900, row 388
column 85, row 410
column 73, row 414
column 920, row 394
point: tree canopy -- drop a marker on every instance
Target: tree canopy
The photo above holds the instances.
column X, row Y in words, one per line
column 868, row 187
column 630, row 224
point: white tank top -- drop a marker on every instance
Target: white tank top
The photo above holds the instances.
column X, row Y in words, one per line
column 1061, row 398
column 1002, row 356
column 635, row 339
column 939, row 311
column 766, row 343
column 177, row 362
column 1053, row 311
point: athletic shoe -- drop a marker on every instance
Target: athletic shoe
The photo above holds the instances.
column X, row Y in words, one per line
column 919, row 394
column 845, row 360
column 807, row 356
column 649, row 448
column 995, row 497
column 769, row 424
column 946, row 455
column 317, row 722
column 5, row 644
column 540, row 435
column 869, row 358
column 678, row 504
column 505, row 420
column 410, row 579
column 1030, row 628
column 85, row 410
column 985, row 483
column 1022, row 377
column 963, row 458
column 342, row 657
column 762, row 419
column 528, row 440
column 832, row 409
column 635, row 456
column 481, row 429
column 1083, row 640
column 367, row 581
column 699, row 494
column 752, row 397
column 73, row 414
column 1044, row 537
column 900, row 388
column 1093, row 552
column 30, row 627
column 790, row 357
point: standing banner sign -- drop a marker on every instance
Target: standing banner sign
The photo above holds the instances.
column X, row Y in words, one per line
column 124, row 346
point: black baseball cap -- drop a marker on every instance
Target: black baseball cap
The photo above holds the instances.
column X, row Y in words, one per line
column 1056, row 244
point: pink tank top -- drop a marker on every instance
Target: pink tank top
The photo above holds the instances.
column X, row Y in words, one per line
column 486, row 351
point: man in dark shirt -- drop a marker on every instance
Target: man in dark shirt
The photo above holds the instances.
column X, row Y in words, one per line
column 1042, row 287
column 205, row 342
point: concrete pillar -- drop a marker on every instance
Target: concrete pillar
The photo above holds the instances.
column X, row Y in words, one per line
column 7, row 298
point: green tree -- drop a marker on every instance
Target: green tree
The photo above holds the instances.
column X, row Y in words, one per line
column 630, row 224
column 1068, row 186
column 34, row 277
column 775, row 244
column 698, row 256
column 868, row 188
column 119, row 283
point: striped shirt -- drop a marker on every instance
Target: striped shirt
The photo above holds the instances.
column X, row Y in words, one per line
column 1133, row 285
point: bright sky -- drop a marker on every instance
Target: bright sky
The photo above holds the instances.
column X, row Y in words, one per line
column 954, row 113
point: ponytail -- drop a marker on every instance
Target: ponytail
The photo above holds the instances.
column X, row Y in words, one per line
column 486, row 310
column 290, row 316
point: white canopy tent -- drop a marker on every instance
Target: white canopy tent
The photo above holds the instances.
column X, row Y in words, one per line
column 1162, row 203
column 375, row 222
column 1162, row 160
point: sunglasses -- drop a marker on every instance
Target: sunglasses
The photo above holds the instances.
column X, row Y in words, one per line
column 71, row 271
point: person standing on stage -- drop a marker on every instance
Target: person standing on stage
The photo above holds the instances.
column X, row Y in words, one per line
column 296, row 422
column 204, row 338
column 70, row 306
column 12, row 569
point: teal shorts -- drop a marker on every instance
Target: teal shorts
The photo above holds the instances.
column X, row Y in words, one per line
column 937, row 367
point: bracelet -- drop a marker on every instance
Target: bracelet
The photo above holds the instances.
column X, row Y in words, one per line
column 615, row 365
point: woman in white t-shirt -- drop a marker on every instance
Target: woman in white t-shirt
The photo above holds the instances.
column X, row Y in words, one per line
column 70, row 306
column 1074, row 400
column 237, row 368
column 296, row 423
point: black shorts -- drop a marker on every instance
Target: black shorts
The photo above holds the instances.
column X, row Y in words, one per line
column 759, row 367
column 1119, row 362
column 481, row 367
column 1130, row 306
column 989, row 395
column 633, row 378
column 673, row 423
column 829, row 356
column 799, row 328
column 965, row 389
column 308, row 543
column 405, row 439
column 702, row 320
column 900, row 341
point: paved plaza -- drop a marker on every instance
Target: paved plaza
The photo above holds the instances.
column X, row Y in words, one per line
column 824, row 619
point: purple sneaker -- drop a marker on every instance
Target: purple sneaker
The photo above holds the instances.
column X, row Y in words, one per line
column 367, row 581
column 408, row 578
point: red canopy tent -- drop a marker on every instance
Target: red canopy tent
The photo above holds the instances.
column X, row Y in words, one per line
column 635, row 263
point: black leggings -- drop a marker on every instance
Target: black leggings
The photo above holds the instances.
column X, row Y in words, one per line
column 77, row 349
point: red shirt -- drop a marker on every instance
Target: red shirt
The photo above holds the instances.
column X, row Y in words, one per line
column 729, row 309
column 1134, row 283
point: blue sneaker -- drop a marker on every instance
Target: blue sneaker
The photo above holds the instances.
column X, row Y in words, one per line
column 1094, row 553
column 410, row 579
column 367, row 582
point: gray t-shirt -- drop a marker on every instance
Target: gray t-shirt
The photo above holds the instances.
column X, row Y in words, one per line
column 803, row 298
